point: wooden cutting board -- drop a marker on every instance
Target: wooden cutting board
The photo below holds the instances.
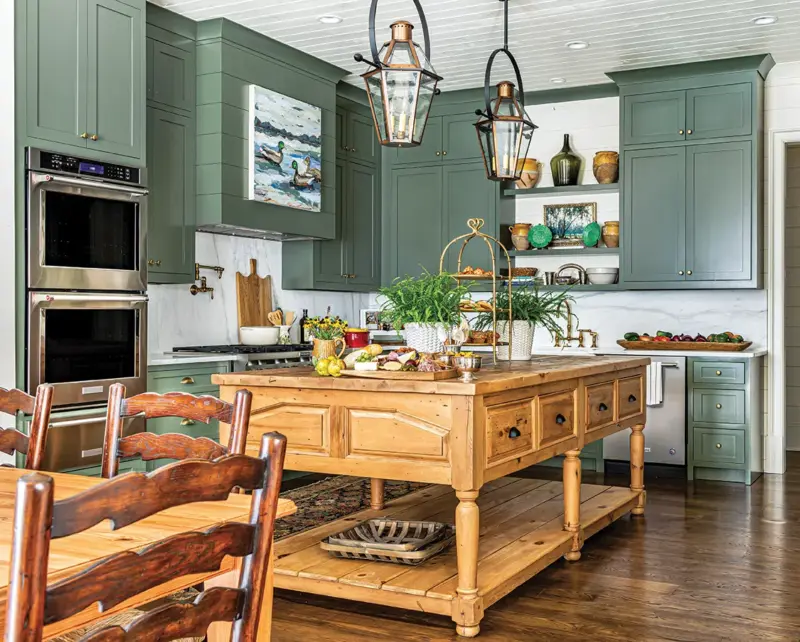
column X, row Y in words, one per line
column 253, row 297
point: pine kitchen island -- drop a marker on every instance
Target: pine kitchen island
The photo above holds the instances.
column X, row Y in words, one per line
column 467, row 438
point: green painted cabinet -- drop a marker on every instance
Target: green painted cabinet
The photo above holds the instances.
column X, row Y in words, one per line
column 85, row 75
column 429, row 151
column 447, row 138
column 653, row 118
column 171, row 76
column 355, row 136
column 363, row 224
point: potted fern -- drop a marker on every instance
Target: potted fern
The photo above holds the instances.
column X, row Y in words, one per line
column 425, row 306
column 529, row 308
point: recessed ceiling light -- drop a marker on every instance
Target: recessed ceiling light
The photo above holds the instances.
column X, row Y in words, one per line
column 763, row 21
column 558, row 81
column 577, row 44
column 329, row 19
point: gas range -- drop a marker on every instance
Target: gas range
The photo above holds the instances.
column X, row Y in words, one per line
column 260, row 357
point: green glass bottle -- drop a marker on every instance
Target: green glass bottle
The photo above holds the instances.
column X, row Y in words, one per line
column 565, row 165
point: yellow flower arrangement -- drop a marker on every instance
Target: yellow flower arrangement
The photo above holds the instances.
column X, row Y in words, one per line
column 326, row 328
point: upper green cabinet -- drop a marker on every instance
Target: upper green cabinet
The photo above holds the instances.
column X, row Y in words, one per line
column 85, row 75
column 171, row 76
column 446, row 138
column 355, row 136
column 654, row 118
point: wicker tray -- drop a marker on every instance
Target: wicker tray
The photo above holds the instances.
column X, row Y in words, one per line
column 685, row 346
column 390, row 535
column 408, row 558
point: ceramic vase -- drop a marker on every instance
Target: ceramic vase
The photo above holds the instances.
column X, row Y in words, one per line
column 565, row 165
column 520, row 242
column 324, row 348
column 423, row 337
column 611, row 233
column 522, row 340
column 529, row 175
column 606, row 167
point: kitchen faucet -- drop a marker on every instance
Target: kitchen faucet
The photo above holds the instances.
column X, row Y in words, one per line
column 566, row 340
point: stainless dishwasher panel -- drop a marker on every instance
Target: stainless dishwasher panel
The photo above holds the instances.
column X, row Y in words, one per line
column 665, row 430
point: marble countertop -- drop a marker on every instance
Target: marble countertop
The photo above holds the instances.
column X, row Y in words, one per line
column 176, row 359
column 746, row 354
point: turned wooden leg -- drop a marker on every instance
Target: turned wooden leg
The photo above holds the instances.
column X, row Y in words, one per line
column 637, row 466
column 376, row 493
column 469, row 612
column 572, row 502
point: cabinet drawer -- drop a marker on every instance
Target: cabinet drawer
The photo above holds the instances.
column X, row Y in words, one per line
column 599, row 405
column 167, row 425
column 630, row 396
column 509, row 430
column 726, row 372
column 718, row 446
column 718, row 406
column 556, row 417
column 195, row 382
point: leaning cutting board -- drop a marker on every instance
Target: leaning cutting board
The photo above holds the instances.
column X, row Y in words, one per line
column 253, row 298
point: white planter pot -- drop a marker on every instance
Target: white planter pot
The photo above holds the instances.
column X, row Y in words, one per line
column 522, row 340
column 423, row 337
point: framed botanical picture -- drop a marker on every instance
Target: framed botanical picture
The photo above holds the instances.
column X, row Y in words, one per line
column 285, row 150
column 568, row 220
column 371, row 319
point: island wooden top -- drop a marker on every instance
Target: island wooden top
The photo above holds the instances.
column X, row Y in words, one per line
column 494, row 378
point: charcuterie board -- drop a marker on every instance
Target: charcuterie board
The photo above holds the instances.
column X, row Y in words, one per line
column 685, row 346
column 403, row 375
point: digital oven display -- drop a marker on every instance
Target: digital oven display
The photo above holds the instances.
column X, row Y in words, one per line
column 91, row 168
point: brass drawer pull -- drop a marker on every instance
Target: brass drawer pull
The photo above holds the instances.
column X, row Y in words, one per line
column 514, row 433
column 94, row 137
column 689, row 131
column 718, row 446
column 719, row 406
column 719, row 373
column 680, row 132
column 631, row 399
column 187, row 422
column 560, row 419
column 187, row 381
column 84, row 135
column 602, row 407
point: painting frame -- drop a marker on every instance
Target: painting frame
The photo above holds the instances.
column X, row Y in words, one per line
column 370, row 318
column 284, row 150
column 567, row 222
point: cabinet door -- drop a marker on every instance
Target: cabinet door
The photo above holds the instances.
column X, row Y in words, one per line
column 429, row 151
column 459, row 140
column 416, row 215
column 653, row 214
column 329, row 262
column 717, row 112
column 172, row 76
column 56, row 77
column 341, row 132
column 719, row 212
column 115, row 84
column 468, row 194
column 654, row 118
column 363, row 239
column 362, row 140
column 171, row 213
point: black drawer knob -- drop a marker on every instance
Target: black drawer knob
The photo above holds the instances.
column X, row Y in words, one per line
column 514, row 433
column 631, row 399
column 602, row 407
column 560, row 419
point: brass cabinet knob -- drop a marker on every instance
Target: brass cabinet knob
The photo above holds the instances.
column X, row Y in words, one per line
column 352, row 149
column 719, row 373
column 444, row 153
column 718, row 446
column 158, row 261
column 187, row 422
column 438, row 153
column 689, row 272
column 84, row 135
column 680, row 272
column 689, row 131
column 719, row 406
column 93, row 137
column 187, row 381
column 150, row 262
column 680, row 131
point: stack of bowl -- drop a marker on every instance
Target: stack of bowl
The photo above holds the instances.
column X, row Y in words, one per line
column 602, row 275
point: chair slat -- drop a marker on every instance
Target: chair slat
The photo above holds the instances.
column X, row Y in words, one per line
column 176, row 621
column 149, row 446
column 12, row 440
column 12, row 400
column 110, row 582
column 177, row 404
column 129, row 498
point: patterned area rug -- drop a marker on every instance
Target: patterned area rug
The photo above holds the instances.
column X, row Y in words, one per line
column 331, row 498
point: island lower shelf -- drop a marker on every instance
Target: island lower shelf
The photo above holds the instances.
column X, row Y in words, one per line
column 521, row 533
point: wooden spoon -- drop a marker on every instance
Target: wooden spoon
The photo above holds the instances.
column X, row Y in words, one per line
column 275, row 318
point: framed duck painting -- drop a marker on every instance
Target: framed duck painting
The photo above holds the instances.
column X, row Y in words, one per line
column 286, row 150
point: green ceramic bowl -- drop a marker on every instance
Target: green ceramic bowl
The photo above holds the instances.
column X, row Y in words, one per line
column 540, row 236
column 591, row 234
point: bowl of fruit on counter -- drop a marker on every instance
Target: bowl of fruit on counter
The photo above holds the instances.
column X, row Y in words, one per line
column 663, row 340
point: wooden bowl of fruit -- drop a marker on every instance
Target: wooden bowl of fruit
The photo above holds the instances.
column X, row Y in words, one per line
column 714, row 342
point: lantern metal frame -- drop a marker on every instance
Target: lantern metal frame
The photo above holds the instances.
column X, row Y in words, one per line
column 379, row 66
column 489, row 117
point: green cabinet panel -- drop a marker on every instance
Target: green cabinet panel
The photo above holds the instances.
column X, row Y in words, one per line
column 171, row 76
column 718, row 372
column 718, row 406
column 719, row 212
column 654, row 221
column 429, row 151
column 468, row 194
column 363, row 220
column 56, row 70
column 715, row 446
column 719, row 112
column 171, row 211
column 361, row 139
column 654, row 118
column 115, row 99
column 329, row 263
column 459, row 139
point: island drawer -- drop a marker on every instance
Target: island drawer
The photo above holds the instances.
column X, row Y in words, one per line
column 630, row 396
column 509, row 430
column 556, row 417
column 600, row 405
column 718, row 446
column 718, row 406
column 718, row 372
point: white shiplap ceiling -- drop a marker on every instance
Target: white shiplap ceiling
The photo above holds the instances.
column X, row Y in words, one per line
column 623, row 34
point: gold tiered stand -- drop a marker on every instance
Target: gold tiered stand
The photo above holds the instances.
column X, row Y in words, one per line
column 475, row 224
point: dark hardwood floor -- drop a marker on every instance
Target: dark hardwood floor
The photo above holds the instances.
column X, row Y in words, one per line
column 709, row 561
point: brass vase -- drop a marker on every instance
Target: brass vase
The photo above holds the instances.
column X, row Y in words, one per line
column 606, row 167
column 565, row 165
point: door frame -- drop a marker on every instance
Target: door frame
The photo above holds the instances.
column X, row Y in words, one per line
column 775, row 434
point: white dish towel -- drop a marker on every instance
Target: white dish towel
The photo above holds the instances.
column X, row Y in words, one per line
column 655, row 384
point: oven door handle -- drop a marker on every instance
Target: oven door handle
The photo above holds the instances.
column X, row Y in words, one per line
column 38, row 179
column 39, row 298
column 78, row 422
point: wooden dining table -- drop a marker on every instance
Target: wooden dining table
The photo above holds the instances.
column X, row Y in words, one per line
column 69, row 555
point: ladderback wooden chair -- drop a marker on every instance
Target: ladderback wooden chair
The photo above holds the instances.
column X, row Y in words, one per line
column 12, row 440
column 127, row 499
column 150, row 446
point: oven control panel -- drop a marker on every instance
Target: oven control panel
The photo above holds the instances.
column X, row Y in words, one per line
column 83, row 167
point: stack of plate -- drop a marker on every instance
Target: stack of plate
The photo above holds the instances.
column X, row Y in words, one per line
column 388, row 540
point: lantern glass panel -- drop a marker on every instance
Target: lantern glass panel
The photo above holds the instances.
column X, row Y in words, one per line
column 401, row 55
column 424, row 62
column 373, row 82
column 427, row 86
column 401, row 88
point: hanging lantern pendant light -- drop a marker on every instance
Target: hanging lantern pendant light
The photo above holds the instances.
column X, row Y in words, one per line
column 400, row 85
column 504, row 131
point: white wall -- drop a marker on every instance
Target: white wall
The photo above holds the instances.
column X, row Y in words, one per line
column 7, row 182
